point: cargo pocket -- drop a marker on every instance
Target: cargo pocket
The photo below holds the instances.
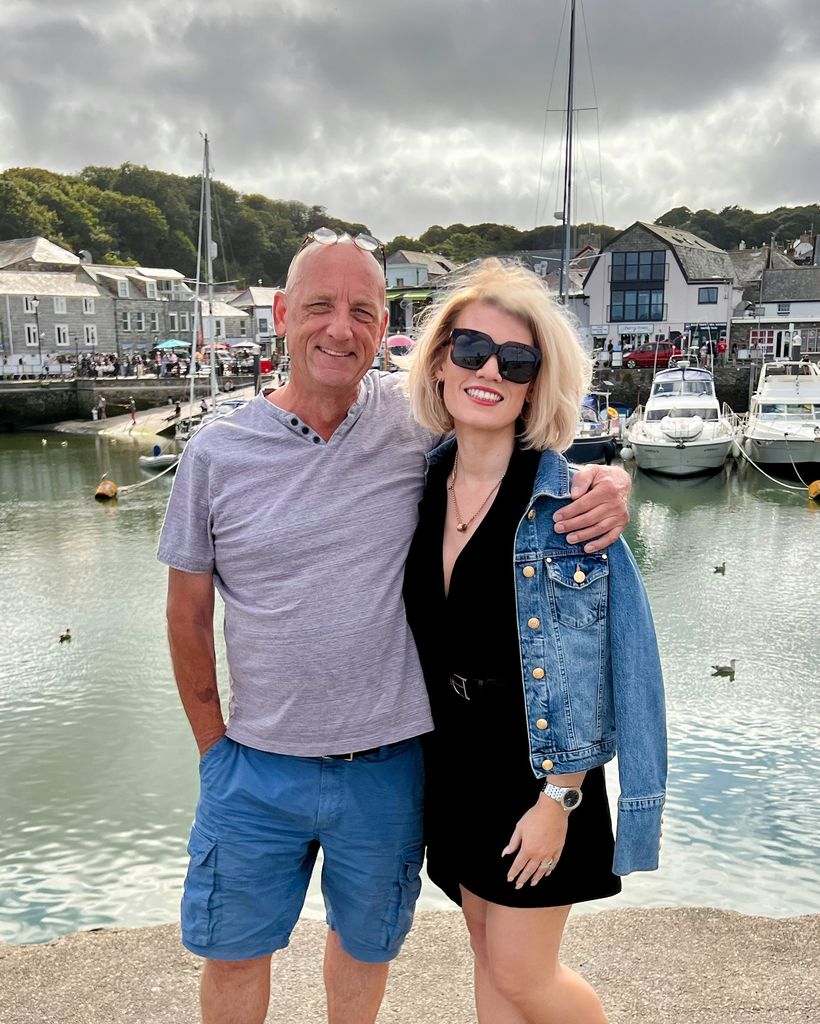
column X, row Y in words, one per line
column 401, row 908
column 198, row 913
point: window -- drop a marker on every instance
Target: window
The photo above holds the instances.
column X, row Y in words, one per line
column 764, row 340
column 399, row 282
column 637, row 305
column 29, row 304
column 139, row 321
column 154, row 322
column 88, row 306
column 811, row 340
column 219, row 326
column 122, row 289
column 32, row 338
column 151, row 290
column 125, row 320
column 243, row 328
column 649, row 265
column 783, row 308
column 707, row 296
column 59, row 304
column 90, row 333
column 61, row 334
column 263, row 325
column 173, row 323
column 183, row 322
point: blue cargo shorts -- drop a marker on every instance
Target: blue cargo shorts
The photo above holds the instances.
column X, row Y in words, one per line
column 260, row 821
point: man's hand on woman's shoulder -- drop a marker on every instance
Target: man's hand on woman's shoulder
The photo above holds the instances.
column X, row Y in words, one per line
column 598, row 513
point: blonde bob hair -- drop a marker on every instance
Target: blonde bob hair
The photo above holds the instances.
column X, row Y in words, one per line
column 550, row 416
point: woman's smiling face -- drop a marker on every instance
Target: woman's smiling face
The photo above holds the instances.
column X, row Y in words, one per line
column 482, row 399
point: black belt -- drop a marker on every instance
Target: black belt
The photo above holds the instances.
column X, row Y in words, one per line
column 356, row 753
column 468, row 686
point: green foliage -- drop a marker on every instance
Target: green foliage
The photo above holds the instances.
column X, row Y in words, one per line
column 133, row 214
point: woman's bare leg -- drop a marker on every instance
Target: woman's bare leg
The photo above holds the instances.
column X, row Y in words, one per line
column 519, row 978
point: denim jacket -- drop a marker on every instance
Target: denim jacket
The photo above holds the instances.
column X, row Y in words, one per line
column 591, row 672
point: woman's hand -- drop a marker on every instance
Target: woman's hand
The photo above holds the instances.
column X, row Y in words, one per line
column 539, row 839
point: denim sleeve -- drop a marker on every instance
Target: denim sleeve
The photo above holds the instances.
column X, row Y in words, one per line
column 186, row 541
column 640, row 717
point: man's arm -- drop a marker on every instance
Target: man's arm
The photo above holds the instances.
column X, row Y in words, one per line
column 599, row 511
column 190, row 617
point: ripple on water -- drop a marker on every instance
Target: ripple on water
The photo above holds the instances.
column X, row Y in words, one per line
column 99, row 769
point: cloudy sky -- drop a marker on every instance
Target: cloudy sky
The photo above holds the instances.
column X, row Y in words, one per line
column 407, row 113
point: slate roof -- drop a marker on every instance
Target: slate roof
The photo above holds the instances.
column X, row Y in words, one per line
column 255, row 296
column 43, row 284
column 749, row 264
column 221, row 309
column 699, row 259
column 37, row 249
column 435, row 263
column 800, row 284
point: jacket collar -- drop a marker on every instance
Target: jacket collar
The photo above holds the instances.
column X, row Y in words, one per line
column 552, row 479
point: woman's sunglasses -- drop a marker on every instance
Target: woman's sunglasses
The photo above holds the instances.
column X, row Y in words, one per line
column 517, row 362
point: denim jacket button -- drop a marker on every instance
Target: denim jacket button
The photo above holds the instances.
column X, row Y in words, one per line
column 533, row 623
column 547, row 765
column 542, row 723
column 528, row 571
column 538, row 673
column 531, row 514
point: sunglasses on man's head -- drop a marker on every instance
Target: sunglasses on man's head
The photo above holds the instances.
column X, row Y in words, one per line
column 517, row 363
column 327, row 236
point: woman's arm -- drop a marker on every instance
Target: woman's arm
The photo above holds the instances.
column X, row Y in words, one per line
column 539, row 835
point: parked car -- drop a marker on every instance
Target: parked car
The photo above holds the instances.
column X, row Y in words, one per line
column 651, row 354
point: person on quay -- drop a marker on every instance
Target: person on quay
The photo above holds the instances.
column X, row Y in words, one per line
column 540, row 657
column 300, row 508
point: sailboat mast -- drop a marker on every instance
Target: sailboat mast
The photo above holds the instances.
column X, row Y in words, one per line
column 209, row 265
column 563, row 289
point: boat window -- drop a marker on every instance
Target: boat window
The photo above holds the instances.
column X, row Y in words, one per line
column 685, row 387
column 659, row 414
column 789, row 411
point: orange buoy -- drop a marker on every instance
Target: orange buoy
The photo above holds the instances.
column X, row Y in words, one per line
column 106, row 490
column 814, row 490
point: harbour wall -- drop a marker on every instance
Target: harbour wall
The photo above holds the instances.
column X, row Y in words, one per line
column 632, row 387
column 29, row 403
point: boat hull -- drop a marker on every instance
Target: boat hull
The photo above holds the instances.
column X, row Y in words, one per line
column 681, row 459
column 796, row 459
column 592, row 449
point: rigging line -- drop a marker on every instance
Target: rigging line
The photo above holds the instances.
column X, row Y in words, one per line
column 546, row 112
column 595, row 100
column 223, row 250
column 589, row 177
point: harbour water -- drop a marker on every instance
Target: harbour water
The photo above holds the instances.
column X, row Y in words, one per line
column 98, row 766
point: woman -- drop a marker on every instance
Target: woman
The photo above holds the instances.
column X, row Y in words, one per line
column 540, row 659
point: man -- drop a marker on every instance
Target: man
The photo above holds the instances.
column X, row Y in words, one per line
column 300, row 508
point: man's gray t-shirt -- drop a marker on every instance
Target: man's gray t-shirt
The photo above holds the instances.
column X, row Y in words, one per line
column 307, row 542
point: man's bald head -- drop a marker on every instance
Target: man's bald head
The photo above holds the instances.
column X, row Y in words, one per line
column 311, row 256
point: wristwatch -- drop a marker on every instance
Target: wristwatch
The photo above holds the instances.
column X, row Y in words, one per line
column 567, row 796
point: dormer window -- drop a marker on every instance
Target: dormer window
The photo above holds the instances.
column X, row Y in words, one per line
column 122, row 289
column 151, row 290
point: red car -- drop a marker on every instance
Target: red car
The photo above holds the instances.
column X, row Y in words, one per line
column 654, row 353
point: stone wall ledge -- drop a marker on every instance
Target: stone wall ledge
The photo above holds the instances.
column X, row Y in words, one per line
column 658, row 966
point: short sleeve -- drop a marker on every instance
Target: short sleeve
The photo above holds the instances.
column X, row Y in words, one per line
column 186, row 541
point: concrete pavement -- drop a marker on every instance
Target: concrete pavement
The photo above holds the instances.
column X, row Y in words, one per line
column 659, row 966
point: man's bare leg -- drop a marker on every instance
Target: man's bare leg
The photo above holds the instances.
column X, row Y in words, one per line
column 235, row 991
column 354, row 989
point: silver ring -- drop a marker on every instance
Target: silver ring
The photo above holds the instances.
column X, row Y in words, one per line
column 546, row 865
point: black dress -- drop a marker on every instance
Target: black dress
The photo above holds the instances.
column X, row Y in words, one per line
column 479, row 782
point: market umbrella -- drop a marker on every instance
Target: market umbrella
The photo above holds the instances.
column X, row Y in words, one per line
column 173, row 343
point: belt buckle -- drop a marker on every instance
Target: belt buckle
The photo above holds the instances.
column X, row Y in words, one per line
column 338, row 757
column 459, row 684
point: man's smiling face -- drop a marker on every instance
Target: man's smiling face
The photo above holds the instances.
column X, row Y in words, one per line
column 334, row 316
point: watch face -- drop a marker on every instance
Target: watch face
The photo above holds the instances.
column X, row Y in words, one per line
column 572, row 798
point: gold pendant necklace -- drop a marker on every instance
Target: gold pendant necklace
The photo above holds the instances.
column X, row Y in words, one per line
column 461, row 526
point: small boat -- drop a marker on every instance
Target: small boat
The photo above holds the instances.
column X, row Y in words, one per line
column 598, row 430
column 782, row 432
column 159, row 459
column 682, row 430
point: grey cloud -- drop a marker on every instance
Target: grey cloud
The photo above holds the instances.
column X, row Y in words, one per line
column 406, row 115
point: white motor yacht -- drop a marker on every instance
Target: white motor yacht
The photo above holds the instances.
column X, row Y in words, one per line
column 783, row 428
column 682, row 429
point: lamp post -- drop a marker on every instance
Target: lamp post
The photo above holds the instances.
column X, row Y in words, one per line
column 36, row 304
